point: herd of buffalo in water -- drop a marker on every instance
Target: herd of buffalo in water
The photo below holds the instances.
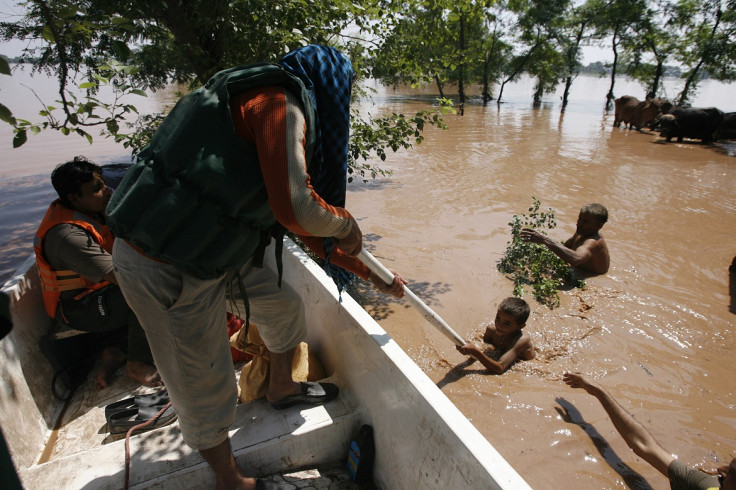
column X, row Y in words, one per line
column 701, row 123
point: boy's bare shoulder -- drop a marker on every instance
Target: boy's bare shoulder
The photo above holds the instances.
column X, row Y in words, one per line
column 490, row 333
column 525, row 346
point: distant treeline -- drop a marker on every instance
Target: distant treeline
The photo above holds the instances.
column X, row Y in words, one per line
column 602, row 68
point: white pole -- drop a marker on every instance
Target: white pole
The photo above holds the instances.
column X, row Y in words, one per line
column 386, row 276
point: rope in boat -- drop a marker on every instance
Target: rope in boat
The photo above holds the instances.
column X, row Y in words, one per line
column 127, row 441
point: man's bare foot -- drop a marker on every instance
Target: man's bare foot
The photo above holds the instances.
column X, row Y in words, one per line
column 145, row 373
column 278, row 392
column 112, row 360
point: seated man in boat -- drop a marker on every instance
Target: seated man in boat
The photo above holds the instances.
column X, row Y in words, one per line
column 639, row 439
column 586, row 248
column 506, row 334
column 73, row 252
column 257, row 147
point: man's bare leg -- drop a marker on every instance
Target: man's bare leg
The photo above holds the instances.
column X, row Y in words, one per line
column 280, row 383
column 145, row 373
column 112, row 360
column 222, row 462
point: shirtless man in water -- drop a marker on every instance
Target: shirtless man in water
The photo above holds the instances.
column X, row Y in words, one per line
column 586, row 248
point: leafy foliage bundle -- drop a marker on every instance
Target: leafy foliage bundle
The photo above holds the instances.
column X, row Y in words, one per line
column 534, row 264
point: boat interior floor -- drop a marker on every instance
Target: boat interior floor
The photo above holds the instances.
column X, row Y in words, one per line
column 80, row 453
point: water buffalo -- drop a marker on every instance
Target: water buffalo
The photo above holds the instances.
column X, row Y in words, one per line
column 690, row 122
column 634, row 112
column 727, row 128
column 663, row 105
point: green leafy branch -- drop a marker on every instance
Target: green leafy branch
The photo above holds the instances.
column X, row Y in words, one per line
column 392, row 131
column 533, row 264
column 77, row 113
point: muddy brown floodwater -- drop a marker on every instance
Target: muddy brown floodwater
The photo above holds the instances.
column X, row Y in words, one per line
column 656, row 331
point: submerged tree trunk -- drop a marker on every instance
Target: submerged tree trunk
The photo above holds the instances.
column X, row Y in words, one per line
column 538, row 92
column 566, row 93
column 572, row 60
column 486, row 71
column 609, row 95
column 692, row 78
column 519, row 68
column 461, row 82
column 658, row 73
column 439, row 86
column 690, row 82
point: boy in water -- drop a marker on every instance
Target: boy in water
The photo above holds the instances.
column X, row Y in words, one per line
column 506, row 335
column 586, row 248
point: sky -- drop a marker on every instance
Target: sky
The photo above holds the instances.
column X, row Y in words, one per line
column 9, row 12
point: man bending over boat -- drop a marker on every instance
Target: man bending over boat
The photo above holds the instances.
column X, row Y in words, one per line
column 257, row 147
column 646, row 447
column 506, row 335
column 586, row 248
column 73, row 249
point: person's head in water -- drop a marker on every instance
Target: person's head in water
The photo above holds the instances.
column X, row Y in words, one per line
column 511, row 316
column 591, row 219
column 80, row 186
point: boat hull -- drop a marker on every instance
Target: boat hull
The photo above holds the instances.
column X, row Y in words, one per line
column 422, row 440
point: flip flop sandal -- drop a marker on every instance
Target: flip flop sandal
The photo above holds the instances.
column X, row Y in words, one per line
column 160, row 397
column 312, row 394
column 120, row 422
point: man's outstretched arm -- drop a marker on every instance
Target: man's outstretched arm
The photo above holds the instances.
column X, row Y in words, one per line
column 572, row 257
column 636, row 435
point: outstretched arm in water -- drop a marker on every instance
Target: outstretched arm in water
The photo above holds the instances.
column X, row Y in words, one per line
column 636, row 436
column 575, row 257
column 470, row 349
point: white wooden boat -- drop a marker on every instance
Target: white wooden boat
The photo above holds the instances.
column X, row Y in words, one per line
column 422, row 440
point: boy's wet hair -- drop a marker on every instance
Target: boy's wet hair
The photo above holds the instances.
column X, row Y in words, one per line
column 68, row 177
column 517, row 308
column 598, row 211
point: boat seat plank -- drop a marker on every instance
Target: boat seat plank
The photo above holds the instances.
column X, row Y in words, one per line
column 264, row 441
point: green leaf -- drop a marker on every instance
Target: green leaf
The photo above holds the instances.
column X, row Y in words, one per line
column 140, row 92
column 20, row 138
column 100, row 78
column 48, row 35
column 84, row 133
column 4, row 65
column 121, row 50
column 6, row 115
column 87, row 85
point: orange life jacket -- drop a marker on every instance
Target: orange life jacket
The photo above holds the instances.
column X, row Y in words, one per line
column 53, row 281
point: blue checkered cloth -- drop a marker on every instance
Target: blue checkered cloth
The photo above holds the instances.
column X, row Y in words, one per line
column 328, row 75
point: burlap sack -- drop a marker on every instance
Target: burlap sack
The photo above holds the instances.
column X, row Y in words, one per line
column 255, row 374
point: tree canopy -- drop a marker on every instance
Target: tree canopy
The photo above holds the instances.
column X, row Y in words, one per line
column 140, row 45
